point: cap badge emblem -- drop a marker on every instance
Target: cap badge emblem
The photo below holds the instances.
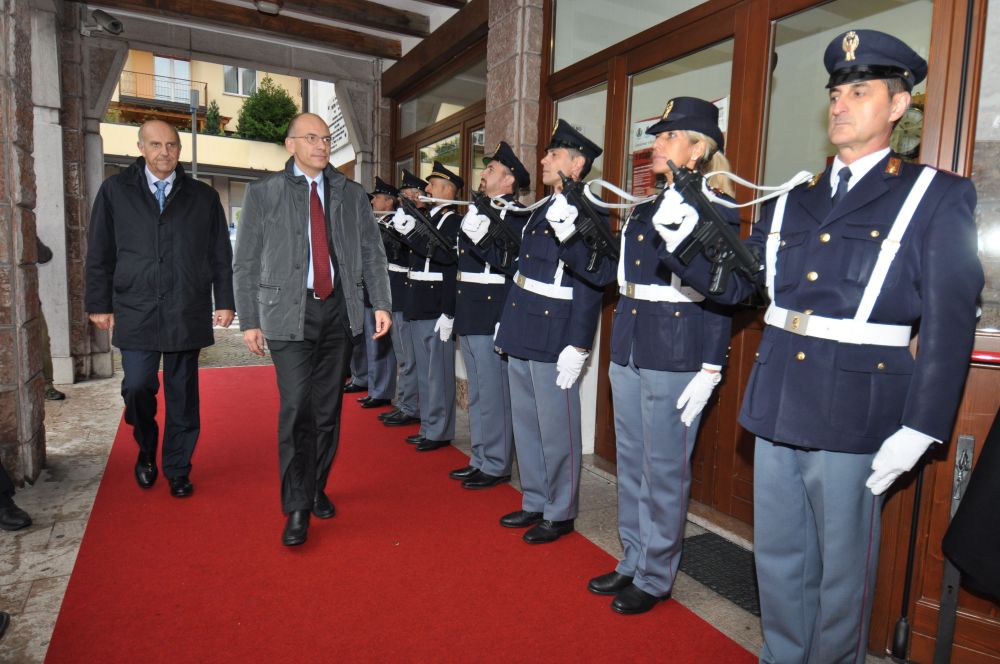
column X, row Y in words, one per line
column 666, row 111
column 850, row 45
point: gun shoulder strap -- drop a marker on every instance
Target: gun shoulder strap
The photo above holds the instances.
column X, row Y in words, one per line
column 773, row 242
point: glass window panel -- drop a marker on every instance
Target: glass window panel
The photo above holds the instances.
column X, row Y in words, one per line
column 478, row 153
column 585, row 111
column 986, row 175
column 402, row 164
column 231, row 79
column 584, row 27
column 448, row 151
column 796, row 136
column 445, row 99
column 705, row 74
column 248, row 78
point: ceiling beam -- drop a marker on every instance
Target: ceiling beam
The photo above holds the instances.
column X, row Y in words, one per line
column 455, row 4
column 464, row 28
column 363, row 12
column 232, row 16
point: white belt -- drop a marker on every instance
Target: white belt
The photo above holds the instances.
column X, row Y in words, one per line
column 542, row 288
column 844, row 330
column 659, row 293
column 481, row 278
column 426, row 276
column 397, row 268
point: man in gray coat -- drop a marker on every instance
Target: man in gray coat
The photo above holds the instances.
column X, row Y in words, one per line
column 306, row 241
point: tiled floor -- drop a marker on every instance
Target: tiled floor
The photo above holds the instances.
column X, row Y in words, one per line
column 35, row 563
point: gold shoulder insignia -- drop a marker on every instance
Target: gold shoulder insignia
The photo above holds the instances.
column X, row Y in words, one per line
column 815, row 179
column 893, row 166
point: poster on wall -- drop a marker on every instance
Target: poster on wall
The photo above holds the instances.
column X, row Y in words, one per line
column 643, row 179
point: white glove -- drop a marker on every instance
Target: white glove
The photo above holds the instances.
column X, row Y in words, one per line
column 402, row 222
column 443, row 327
column 475, row 225
column 561, row 217
column 569, row 365
column 899, row 453
column 496, row 329
column 674, row 219
column 696, row 394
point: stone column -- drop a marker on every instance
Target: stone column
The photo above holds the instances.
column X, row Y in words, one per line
column 22, row 434
column 357, row 103
column 513, row 73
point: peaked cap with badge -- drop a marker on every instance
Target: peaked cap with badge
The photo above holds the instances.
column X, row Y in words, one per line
column 505, row 155
column 865, row 55
column 690, row 114
column 565, row 136
column 411, row 181
column 441, row 172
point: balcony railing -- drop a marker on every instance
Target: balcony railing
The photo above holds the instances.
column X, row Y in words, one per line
column 160, row 91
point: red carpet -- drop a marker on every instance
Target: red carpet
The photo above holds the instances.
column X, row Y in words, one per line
column 412, row 568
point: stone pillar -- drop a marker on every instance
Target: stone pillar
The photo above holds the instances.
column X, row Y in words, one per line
column 357, row 103
column 22, row 434
column 513, row 74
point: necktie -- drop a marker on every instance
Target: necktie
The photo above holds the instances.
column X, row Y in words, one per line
column 845, row 178
column 161, row 196
column 322, row 279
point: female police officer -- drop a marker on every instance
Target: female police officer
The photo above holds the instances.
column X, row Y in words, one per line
column 668, row 346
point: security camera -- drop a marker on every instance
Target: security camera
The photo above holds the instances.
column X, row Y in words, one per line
column 106, row 22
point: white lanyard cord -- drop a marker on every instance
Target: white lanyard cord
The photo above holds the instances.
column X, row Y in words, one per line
column 794, row 181
column 621, row 193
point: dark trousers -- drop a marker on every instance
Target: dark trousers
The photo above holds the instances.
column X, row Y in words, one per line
column 180, row 392
column 6, row 486
column 311, row 376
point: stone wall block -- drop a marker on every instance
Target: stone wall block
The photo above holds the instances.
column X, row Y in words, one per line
column 8, row 360
column 29, row 246
column 73, row 180
column 8, row 426
column 22, row 177
column 501, row 85
column 534, row 34
column 31, row 305
column 32, row 416
column 7, row 294
column 30, row 351
column 501, row 125
column 502, row 8
column 529, row 127
column 6, row 219
column 530, row 81
column 503, row 39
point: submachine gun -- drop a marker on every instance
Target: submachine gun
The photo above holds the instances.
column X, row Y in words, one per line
column 499, row 233
column 712, row 236
column 589, row 224
column 391, row 239
column 426, row 233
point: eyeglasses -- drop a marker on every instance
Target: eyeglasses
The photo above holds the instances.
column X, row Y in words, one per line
column 313, row 139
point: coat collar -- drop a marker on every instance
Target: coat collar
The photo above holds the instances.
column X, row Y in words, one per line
column 817, row 201
column 334, row 179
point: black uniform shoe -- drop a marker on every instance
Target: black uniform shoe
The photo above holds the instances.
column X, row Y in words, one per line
column 13, row 517
column 389, row 413
column 354, row 387
column 181, row 487
column 52, row 394
column 484, row 481
column 296, row 528
column 363, row 400
column 415, row 439
column 430, row 445
column 463, row 473
column 520, row 519
column 323, row 507
column 609, row 584
column 4, row 622
column 548, row 531
column 145, row 471
column 631, row 600
column 376, row 403
column 401, row 420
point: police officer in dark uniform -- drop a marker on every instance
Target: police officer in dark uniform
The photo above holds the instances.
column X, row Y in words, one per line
column 482, row 290
column 855, row 260
column 430, row 312
column 381, row 359
column 547, row 329
column 668, row 346
column 407, row 400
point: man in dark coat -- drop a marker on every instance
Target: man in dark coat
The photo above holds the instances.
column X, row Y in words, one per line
column 158, row 255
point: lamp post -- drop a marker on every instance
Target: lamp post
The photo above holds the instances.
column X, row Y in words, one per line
column 194, row 133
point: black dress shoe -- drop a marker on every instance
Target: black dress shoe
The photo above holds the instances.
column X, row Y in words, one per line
column 4, row 622
column 52, row 394
column 181, row 487
column 462, row 473
column 631, row 600
column 353, row 387
column 548, row 531
column 401, row 420
column 296, row 528
column 609, row 584
column 363, row 400
column 323, row 507
column 520, row 519
column 415, row 439
column 145, row 471
column 13, row 517
column 484, row 481
column 430, row 445
column 376, row 403
column 389, row 413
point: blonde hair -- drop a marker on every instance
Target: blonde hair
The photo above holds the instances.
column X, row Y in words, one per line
column 713, row 160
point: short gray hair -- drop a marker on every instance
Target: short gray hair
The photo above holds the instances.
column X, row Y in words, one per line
column 177, row 134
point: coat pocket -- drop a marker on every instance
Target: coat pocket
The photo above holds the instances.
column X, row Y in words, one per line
column 756, row 404
column 869, row 388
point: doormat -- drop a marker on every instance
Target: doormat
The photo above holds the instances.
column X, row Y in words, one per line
column 724, row 567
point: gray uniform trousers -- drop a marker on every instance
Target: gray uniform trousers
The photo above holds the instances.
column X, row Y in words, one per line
column 381, row 361
column 490, row 427
column 435, row 360
column 654, row 472
column 546, row 422
column 817, row 500
column 359, row 365
column 406, row 379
